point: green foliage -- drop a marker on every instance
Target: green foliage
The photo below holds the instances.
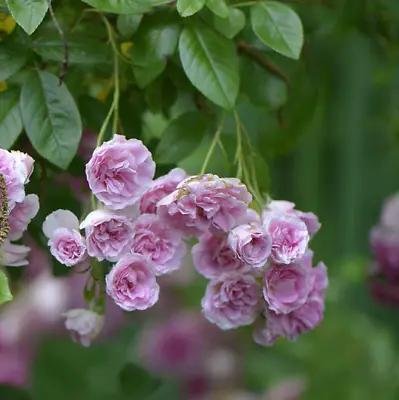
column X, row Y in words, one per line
column 230, row 25
column 28, row 13
column 10, row 118
column 12, row 58
column 5, row 294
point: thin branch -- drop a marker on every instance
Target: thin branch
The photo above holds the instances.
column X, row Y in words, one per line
column 65, row 61
column 4, row 226
column 262, row 60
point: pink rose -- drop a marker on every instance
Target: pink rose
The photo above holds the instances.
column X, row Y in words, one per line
column 21, row 216
column 13, row 255
column 212, row 257
column 174, row 347
column 390, row 212
column 160, row 188
column 290, row 326
column 157, row 242
column 66, row 243
column 251, row 243
column 68, row 246
column 132, row 284
column 205, row 202
column 120, row 171
column 23, row 165
column 320, row 279
column 108, row 235
column 287, row 287
column 231, row 301
column 289, row 238
column 84, row 325
column 282, row 207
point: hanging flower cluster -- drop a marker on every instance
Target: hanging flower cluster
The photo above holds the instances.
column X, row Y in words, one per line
column 17, row 208
column 257, row 265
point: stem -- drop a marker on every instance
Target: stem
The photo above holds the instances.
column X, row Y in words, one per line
column 4, row 226
column 215, row 140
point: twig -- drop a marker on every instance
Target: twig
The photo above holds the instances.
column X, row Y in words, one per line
column 262, row 60
column 4, row 226
column 65, row 61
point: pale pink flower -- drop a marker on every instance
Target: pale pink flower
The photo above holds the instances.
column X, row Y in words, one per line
column 390, row 212
column 153, row 239
column 282, row 207
column 287, row 287
column 13, row 255
column 205, row 202
column 84, row 325
column 231, row 301
column 251, row 243
column 320, row 279
column 60, row 219
column 160, row 188
column 212, row 257
column 21, row 216
column 132, row 284
column 289, row 238
column 120, row 171
column 108, row 235
column 23, row 165
column 68, row 246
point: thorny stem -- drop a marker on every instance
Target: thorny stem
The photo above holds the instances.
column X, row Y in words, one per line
column 216, row 139
column 4, row 226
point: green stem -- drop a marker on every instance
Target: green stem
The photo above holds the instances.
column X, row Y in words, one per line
column 245, row 4
column 215, row 140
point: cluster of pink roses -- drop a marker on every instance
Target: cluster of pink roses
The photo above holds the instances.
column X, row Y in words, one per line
column 16, row 168
column 257, row 265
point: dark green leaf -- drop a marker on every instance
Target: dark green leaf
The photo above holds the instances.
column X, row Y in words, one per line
column 28, row 13
column 278, row 26
column 13, row 393
column 12, row 58
column 155, row 40
column 5, row 294
column 160, row 94
column 81, row 50
column 138, row 383
column 121, row 6
column 51, row 118
column 210, row 62
column 262, row 87
column 181, row 137
column 10, row 118
column 128, row 24
column 187, row 8
column 231, row 25
column 218, row 7
column 262, row 173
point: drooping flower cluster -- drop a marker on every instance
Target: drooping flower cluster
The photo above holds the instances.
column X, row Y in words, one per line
column 258, row 266
column 384, row 241
column 16, row 168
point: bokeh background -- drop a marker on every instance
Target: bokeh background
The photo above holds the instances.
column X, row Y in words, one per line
column 333, row 149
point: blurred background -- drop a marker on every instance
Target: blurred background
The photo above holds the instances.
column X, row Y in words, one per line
column 332, row 147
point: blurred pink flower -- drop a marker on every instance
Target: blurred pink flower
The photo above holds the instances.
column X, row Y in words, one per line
column 21, row 216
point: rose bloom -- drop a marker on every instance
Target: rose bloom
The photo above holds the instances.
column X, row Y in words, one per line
column 84, row 325
column 21, row 216
column 251, row 243
column 16, row 168
column 108, row 235
column 68, row 246
column 153, row 239
column 287, row 287
column 390, row 212
column 212, row 257
column 120, row 171
column 205, row 202
column 289, row 238
column 160, row 188
column 231, row 301
column 132, row 284
column 287, row 208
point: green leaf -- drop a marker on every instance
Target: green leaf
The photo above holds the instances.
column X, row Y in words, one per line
column 211, row 64
column 263, row 88
column 181, row 137
column 232, row 25
column 81, row 50
column 13, row 393
column 128, row 24
column 28, row 13
column 10, row 118
column 155, row 40
column 51, row 118
column 218, row 7
column 5, row 294
column 138, row 383
column 279, row 27
column 13, row 56
column 187, row 8
column 121, row 6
